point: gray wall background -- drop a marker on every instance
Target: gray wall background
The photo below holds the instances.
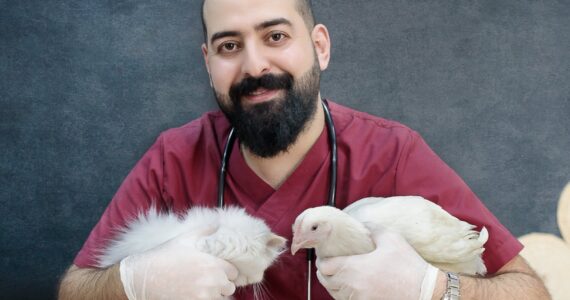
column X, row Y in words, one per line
column 86, row 87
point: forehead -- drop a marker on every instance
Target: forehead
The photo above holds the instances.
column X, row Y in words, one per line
column 222, row 15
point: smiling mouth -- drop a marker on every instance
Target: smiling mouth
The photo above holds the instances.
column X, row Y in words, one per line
column 259, row 91
column 261, row 95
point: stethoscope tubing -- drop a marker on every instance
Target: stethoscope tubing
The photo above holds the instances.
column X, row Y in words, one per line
column 224, row 166
column 331, row 201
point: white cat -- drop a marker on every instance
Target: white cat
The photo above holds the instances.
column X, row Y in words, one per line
column 237, row 237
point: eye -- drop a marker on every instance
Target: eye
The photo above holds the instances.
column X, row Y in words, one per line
column 277, row 37
column 228, row 47
column 315, row 227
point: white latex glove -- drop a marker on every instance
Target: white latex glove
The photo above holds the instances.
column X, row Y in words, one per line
column 177, row 270
column 393, row 271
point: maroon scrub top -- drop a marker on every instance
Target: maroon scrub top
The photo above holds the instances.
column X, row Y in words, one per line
column 376, row 157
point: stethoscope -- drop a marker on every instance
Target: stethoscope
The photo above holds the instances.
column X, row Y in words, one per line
column 332, row 185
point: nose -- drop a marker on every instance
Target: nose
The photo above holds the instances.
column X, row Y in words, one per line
column 255, row 62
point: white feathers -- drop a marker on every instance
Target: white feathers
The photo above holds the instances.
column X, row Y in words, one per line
column 331, row 232
column 228, row 233
column 440, row 238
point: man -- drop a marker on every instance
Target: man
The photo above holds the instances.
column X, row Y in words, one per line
column 264, row 58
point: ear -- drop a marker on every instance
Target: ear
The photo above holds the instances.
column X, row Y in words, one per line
column 322, row 44
column 206, row 62
column 276, row 241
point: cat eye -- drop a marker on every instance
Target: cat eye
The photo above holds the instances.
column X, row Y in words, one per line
column 314, row 227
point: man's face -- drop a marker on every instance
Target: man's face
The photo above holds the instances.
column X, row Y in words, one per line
column 264, row 70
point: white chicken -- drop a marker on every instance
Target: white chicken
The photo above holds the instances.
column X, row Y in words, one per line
column 440, row 238
column 244, row 241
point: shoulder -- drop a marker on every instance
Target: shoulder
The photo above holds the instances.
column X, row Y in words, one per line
column 360, row 126
column 211, row 128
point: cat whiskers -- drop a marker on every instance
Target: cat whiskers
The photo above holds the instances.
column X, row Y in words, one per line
column 260, row 291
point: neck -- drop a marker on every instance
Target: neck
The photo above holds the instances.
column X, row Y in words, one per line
column 275, row 170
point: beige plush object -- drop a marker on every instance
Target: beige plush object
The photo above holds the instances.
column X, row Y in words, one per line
column 549, row 255
column 564, row 215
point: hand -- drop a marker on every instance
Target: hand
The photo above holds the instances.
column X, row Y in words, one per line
column 177, row 270
column 393, row 271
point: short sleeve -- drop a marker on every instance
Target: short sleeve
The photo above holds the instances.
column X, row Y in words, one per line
column 142, row 187
column 421, row 172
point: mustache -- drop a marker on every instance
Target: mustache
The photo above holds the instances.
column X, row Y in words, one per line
column 268, row 81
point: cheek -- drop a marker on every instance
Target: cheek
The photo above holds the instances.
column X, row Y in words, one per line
column 223, row 73
column 296, row 59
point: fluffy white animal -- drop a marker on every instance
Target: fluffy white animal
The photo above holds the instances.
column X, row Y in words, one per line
column 237, row 237
column 440, row 238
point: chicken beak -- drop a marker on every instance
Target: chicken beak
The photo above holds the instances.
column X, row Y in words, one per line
column 297, row 244
column 294, row 247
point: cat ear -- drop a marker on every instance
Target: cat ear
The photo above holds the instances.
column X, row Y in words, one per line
column 276, row 241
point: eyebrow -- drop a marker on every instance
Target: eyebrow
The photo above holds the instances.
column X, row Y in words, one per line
column 223, row 34
column 259, row 27
column 279, row 21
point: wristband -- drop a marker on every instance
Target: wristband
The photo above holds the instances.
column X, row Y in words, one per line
column 127, row 279
column 452, row 291
column 428, row 284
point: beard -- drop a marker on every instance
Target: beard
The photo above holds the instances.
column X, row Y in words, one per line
column 271, row 127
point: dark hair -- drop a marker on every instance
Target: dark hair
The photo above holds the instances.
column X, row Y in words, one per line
column 304, row 7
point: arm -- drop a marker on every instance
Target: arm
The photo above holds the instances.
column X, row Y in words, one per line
column 394, row 270
column 174, row 270
column 91, row 283
column 515, row 280
column 422, row 172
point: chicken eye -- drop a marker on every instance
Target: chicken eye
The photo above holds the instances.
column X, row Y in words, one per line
column 315, row 227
